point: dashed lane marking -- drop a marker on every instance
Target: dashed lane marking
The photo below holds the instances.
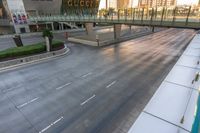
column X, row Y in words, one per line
column 111, row 84
column 63, row 86
column 53, row 123
column 88, row 100
column 24, row 104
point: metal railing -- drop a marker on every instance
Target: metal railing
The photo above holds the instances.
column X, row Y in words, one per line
column 196, row 124
column 187, row 17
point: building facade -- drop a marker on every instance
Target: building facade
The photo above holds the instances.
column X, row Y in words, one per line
column 12, row 13
column 80, row 7
column 123, row 4
column 17, row 11
column 68, row 7
column 156, row 3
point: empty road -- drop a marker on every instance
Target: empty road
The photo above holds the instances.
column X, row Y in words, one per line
column 91, row 90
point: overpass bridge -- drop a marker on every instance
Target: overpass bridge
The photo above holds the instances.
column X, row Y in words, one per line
column 176, row 17
column 172, row 22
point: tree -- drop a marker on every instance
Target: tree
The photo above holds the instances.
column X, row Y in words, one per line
column 48, row 35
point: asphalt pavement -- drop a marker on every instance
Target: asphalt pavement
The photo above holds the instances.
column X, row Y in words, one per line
column 91, row 90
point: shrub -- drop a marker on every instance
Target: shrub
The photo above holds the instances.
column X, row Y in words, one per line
column 27, row 50
column 47, row 33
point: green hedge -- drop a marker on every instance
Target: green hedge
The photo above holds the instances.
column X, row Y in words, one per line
column 57, row 44
column 27, row 50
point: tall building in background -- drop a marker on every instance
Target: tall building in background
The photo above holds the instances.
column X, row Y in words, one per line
column 154, row 3
column 113, row 3
column 123, row 3
column 165, row 3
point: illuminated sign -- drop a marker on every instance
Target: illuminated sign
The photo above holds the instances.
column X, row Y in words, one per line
column 83, row 3
column 80, row 6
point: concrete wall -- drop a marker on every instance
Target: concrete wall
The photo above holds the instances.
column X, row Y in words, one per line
column 89, row 28
column 117, row 31
column 6, row 30
column 43, row 6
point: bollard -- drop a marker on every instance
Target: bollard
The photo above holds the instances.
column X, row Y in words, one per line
column 18, row 41
column 97, row 38
column 197, row 77
column 182, row 120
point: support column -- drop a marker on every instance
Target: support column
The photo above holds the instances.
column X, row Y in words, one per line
column 153, row 29
column 62, row 26
column 52, row 26
column 117, row 31
column 89, row 28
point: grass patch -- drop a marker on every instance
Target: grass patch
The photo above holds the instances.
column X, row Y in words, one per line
column 28, row 50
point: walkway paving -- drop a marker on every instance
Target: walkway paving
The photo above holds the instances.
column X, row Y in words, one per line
column 172, row 108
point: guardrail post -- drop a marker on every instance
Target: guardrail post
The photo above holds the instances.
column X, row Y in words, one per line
column 163, row 11
column 118, row 14
column 142, row 15
column 174, row 15
column 152, row 15
column 125, row 13
column 186, row 22
column 133, row 15
column 156, row 13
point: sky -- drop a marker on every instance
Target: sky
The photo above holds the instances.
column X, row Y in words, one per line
column 179, row 2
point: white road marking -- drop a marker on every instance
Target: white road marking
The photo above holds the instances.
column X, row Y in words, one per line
column 63, row 86
column 10, row 89
column 53, row 123
column 87, row 100
column 88, row 74
column 111, row 84
column 24, row 104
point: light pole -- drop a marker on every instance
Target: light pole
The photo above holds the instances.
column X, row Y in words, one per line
column 106, row 4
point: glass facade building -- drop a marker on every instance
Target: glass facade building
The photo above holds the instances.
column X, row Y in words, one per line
column 17, row 11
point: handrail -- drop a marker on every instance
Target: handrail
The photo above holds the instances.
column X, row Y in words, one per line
column 196, row 124
column 180, row 22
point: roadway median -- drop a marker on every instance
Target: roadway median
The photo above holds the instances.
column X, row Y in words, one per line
column 18, row 56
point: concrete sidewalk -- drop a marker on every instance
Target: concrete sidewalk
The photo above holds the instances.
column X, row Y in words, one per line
column 172, row 108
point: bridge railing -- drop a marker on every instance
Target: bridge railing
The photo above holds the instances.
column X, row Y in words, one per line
column 163, row 16
column 196, row 124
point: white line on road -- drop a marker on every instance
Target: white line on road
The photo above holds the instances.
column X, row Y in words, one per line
column 88, row 100
column 88, row 74
column 111, row 84
column 53, row 123
column 24, row 104
column 63, row 86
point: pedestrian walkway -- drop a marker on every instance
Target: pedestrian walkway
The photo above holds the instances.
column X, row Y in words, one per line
column 172, row 109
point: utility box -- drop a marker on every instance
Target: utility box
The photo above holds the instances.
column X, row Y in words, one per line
column 18, row 41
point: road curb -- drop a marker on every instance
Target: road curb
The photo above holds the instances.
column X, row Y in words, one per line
column 20, row 62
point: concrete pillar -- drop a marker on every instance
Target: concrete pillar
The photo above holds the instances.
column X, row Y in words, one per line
column 89, row 28
column 153, row 29
column 130, row 27
column 117, row 31
column 62, row 26
column 52, row 26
